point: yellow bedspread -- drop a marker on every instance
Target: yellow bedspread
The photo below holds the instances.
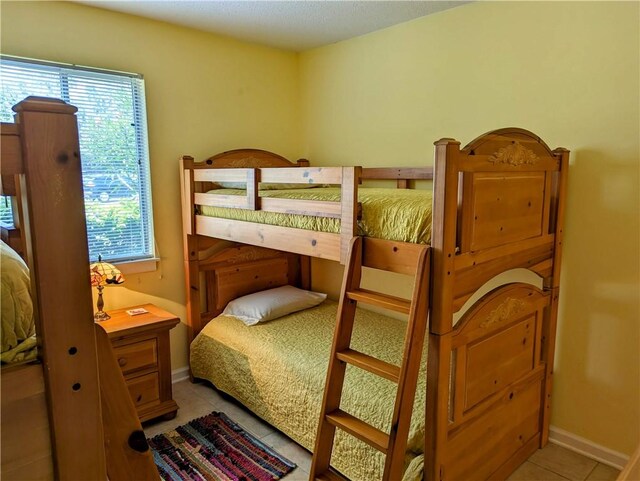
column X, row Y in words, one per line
column 16, row 306
column 277, row 369
column 393, row 214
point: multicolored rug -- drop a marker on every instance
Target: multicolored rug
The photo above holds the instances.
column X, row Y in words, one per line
column 214, row 448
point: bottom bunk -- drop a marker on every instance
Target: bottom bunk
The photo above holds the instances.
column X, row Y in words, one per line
column 277, row 369
column 484, row 416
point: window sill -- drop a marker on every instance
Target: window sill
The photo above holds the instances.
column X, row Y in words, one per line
column 138, row 267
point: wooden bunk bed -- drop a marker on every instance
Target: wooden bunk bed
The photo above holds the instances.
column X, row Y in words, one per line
column 67, row 414
column 498, row 206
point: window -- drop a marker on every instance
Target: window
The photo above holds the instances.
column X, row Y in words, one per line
column 6, row 217
column 113, row 146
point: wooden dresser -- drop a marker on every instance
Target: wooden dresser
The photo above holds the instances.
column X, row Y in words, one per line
column 142, row 348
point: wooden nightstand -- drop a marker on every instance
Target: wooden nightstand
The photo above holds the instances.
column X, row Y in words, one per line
column 141, row 346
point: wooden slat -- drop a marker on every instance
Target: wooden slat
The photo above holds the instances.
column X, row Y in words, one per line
column 392, row 256
column 470, row 279
column 371, row 364
column 222, row 200
column 299, row 241
column 359, row 429
column 302, row 175
column 11, row 150
column 317, row 208
column 221, row 175
column 469, row 259
column 9, row 128
column 398, row 173
column 381, row 300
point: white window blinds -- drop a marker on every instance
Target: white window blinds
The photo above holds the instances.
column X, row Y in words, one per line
column 113, row 148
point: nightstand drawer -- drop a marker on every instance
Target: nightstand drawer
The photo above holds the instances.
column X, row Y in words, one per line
column 137, row 355
column 144, row 390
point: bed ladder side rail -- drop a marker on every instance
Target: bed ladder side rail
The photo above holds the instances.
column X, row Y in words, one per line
column 126, row 447
column 392, row 444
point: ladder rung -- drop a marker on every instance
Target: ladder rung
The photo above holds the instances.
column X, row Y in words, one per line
column 361, row 430
column 381, row 300
column 371, row 364
column 330, row 475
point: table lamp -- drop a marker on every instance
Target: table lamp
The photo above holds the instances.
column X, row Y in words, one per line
column 103, row 274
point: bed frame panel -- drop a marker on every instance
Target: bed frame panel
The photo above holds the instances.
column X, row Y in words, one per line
column 60, row 392
column 498, row 206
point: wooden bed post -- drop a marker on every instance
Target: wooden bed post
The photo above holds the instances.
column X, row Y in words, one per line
column 54, row 222
column 552, row 284
column 443, row 243
column 192, row 272
column 349, row 200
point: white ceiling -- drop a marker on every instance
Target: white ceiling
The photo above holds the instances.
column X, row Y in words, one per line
column 290, row 25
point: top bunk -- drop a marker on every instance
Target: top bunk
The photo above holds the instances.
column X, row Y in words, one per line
column 260, row 198
column 500, row 190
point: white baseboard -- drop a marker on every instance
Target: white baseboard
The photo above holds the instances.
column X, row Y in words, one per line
column 179, row 374
column 587, row 448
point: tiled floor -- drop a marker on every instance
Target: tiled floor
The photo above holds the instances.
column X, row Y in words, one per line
column 552, row 463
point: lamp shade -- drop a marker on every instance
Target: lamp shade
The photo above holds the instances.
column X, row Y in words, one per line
column 105, row 274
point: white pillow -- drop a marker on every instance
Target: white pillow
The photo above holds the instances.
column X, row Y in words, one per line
column 271, row 304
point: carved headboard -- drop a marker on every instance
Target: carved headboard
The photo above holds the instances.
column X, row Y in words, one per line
column 239, row 270
column 248, row 158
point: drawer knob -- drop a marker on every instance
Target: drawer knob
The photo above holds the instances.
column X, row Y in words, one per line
column 122, row 361
column 139, row 398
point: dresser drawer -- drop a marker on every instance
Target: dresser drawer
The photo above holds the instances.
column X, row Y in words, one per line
column 137, row 355
column 144, row 390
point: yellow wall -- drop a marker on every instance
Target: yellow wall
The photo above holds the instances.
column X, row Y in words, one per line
column 205, row 94
column 566, row 71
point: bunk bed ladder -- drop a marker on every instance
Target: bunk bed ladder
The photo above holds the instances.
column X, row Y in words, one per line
column 390, row 257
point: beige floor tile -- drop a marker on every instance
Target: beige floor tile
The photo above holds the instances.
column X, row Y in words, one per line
column 532, row 472
column 602, row 472
column 195, row 402
column 189, row 407
column 204, row 391
column 561, row 461
column 297, row 475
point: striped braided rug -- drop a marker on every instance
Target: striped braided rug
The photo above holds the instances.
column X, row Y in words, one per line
column 214, row 448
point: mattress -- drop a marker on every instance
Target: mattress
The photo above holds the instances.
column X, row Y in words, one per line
column 278, row 368
column 394, row 214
